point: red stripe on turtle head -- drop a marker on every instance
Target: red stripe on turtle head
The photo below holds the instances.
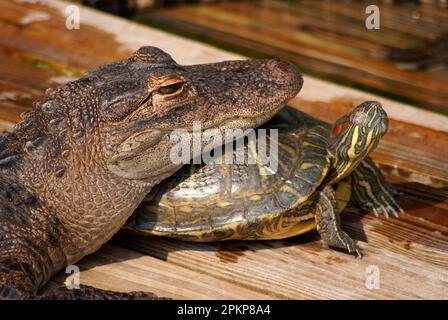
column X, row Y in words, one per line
column 339, row 128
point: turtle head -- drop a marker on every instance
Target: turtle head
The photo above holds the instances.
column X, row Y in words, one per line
column 354, row 135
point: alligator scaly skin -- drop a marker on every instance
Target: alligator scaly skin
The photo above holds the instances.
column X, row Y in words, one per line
column 77, row 166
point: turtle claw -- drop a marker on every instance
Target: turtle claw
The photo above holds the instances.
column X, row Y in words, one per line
column 395, row 209
column 359, row 254
column 385, row 211
column 389, row 209
column 344, row 241
column 396, row 212
column 375, row 212
column 353, row 248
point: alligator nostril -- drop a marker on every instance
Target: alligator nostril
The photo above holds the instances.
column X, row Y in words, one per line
column 285, row 74
column 279, row 66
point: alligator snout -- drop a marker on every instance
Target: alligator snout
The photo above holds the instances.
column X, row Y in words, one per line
column 286, row 74
column 274, row 80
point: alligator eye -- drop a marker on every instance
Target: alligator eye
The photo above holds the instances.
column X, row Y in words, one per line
column 172, row 88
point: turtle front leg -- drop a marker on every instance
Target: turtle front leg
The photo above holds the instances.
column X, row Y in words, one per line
column 328, row 223
column 372, row 192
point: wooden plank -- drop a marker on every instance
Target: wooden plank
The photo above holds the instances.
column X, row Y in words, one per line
column 116, row 268
column 302, row 268
column 411, row 253
column 329, row 39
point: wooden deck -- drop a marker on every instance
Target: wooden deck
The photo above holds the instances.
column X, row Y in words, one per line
column 37, row 51
column 330, row 39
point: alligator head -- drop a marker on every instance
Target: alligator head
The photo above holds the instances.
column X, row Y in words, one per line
column 150, row 95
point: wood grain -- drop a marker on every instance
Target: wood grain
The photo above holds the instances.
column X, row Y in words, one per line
column 327, row 39
column 411, row 253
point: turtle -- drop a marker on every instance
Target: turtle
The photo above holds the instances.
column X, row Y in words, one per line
column 320, row 167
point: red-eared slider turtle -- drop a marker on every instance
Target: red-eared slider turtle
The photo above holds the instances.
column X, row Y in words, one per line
column 240, row 201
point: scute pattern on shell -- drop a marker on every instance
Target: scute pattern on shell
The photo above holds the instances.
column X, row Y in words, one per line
column 219, row 201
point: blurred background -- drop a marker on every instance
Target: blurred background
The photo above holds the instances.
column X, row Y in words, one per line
column 405, row 59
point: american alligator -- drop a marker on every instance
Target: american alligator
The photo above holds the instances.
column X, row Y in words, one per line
column 77, row 166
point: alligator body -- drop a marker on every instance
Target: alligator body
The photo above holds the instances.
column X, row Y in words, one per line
column 75, row 168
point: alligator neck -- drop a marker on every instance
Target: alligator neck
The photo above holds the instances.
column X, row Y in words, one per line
column 57, row 159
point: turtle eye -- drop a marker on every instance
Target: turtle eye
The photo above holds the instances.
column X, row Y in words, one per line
column 358, row 118
column 171, row 88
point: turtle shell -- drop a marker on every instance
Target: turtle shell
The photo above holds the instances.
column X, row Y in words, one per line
column 210, row 202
